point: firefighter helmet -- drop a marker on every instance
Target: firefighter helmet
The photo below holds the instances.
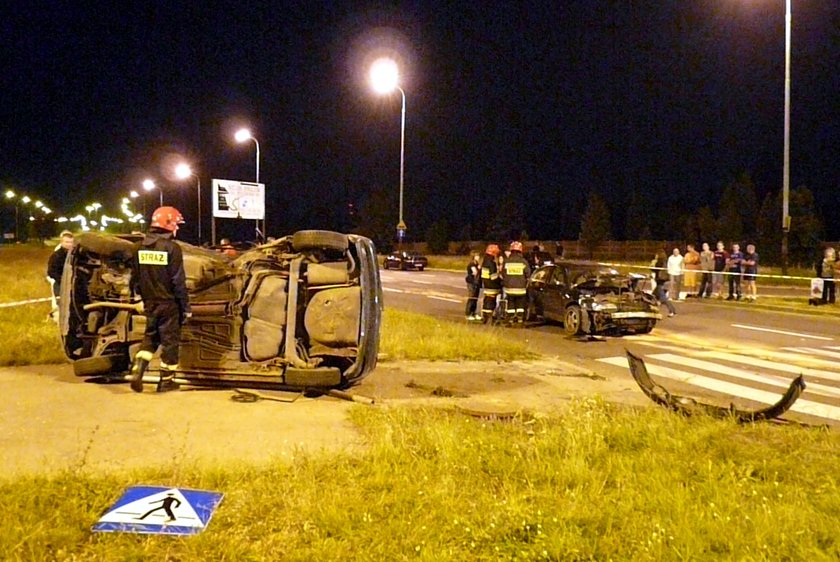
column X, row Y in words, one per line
column 167, row 218
column 516, row 246
column 493, row 250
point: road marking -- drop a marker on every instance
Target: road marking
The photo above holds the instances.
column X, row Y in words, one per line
column 815, row 351
column 786, row 333
column 390, row 290
column 732, row 389
column 773, row 365
column 21, row 303
column 772, row 380
column 443, row 298
column 422, row 282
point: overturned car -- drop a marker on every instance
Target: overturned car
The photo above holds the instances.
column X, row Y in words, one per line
column 591, row 299
column 302, row 312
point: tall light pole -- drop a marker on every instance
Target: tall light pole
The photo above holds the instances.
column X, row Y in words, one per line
column 148, row 185
column 11, row 195
column 183, row 171
column 384, row 77
column 243, row 135
column 786, row 164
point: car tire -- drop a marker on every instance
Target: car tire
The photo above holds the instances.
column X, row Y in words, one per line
column 572, row 320
column 647, row 328
column 387, row 265
column 319, row 240
column 421, row 268
column 99, row 365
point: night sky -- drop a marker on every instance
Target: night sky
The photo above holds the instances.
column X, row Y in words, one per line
column 538, row 103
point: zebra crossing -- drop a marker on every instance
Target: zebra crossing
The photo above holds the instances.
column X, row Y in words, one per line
column 758, row 375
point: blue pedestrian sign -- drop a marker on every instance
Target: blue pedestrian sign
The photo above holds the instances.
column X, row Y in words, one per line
column 160, row 511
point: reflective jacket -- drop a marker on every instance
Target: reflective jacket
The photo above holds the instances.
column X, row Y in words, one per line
column 490, row 279
column 158, row 271
column 515, row 274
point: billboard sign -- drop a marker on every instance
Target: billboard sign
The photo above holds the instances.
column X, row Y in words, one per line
column 238, row 199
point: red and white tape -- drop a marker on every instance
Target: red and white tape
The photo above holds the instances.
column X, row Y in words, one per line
column 21, row 303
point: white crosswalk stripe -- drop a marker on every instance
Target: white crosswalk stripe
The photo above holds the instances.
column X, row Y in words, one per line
column 704, row 369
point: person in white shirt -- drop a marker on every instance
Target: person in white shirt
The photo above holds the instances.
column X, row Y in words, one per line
column 675, row 273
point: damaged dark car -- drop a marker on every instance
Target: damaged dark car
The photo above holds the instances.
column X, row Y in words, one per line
column 588, row 298
column 301, row 312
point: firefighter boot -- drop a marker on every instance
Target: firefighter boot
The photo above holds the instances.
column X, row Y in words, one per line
column 167, row 378
column 138, row 367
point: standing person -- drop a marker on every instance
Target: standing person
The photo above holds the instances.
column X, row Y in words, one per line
column 660, row 276
column 707, row 265
column 827, row 273
column 675, row 273
column 691, row 262
column 721, row 256
column 55, row 268
column 515, row 274
column 750, row 271
column 158, row 275
column 491, row 282
column 473, row 280
column 733, row 268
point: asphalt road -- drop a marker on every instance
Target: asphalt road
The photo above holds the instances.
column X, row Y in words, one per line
column 718, row 351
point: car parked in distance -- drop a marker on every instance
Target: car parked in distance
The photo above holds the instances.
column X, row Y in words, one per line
column 301, row 312
column 406, row 261
column 588, row 298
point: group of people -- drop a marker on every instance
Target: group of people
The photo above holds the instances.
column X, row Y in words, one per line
column 704, row 274
column 504, row 280
column 158, row 277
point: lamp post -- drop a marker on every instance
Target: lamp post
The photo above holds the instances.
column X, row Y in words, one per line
column 11, row 195
column 149, row 185
column 384, row 76
column 786, row 161
column 183, row 171
column 243, row 135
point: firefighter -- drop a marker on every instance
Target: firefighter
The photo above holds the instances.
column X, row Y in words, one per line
column 515, row 274
column 491, row 282
column 158, row 275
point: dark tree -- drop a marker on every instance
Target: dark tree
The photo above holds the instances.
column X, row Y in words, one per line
column 707, row 226
column 805, row 228
column 377, row 218
column 508, row 221
column 595, row 224
column 437, row 237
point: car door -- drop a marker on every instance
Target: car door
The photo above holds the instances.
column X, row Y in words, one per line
column 554, row 295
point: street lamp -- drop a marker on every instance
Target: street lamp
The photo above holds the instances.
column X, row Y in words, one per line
column 786, row 165
column 244, row 135
column 149, row 185
column 183, row 171
column 11, row 195
column 384, row 77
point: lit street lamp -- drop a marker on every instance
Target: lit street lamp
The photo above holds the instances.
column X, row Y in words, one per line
column 183, row 171
column 149, row 185
column 11, row 195
column 243, row 135
column 384, row 76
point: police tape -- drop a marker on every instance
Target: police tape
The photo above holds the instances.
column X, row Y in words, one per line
column 698, row 271
column 21, row 303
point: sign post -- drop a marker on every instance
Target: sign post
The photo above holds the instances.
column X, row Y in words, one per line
column 234, row 199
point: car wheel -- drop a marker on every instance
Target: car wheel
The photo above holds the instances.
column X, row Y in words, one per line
column 572, row 320
column 319, row 239
column 99, row 365
column 387, row 265
column 647, row 328
column 421, row 268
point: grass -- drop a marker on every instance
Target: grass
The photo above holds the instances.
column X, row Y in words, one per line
column 28, row 336
column 411, row 336
column 593, row 482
